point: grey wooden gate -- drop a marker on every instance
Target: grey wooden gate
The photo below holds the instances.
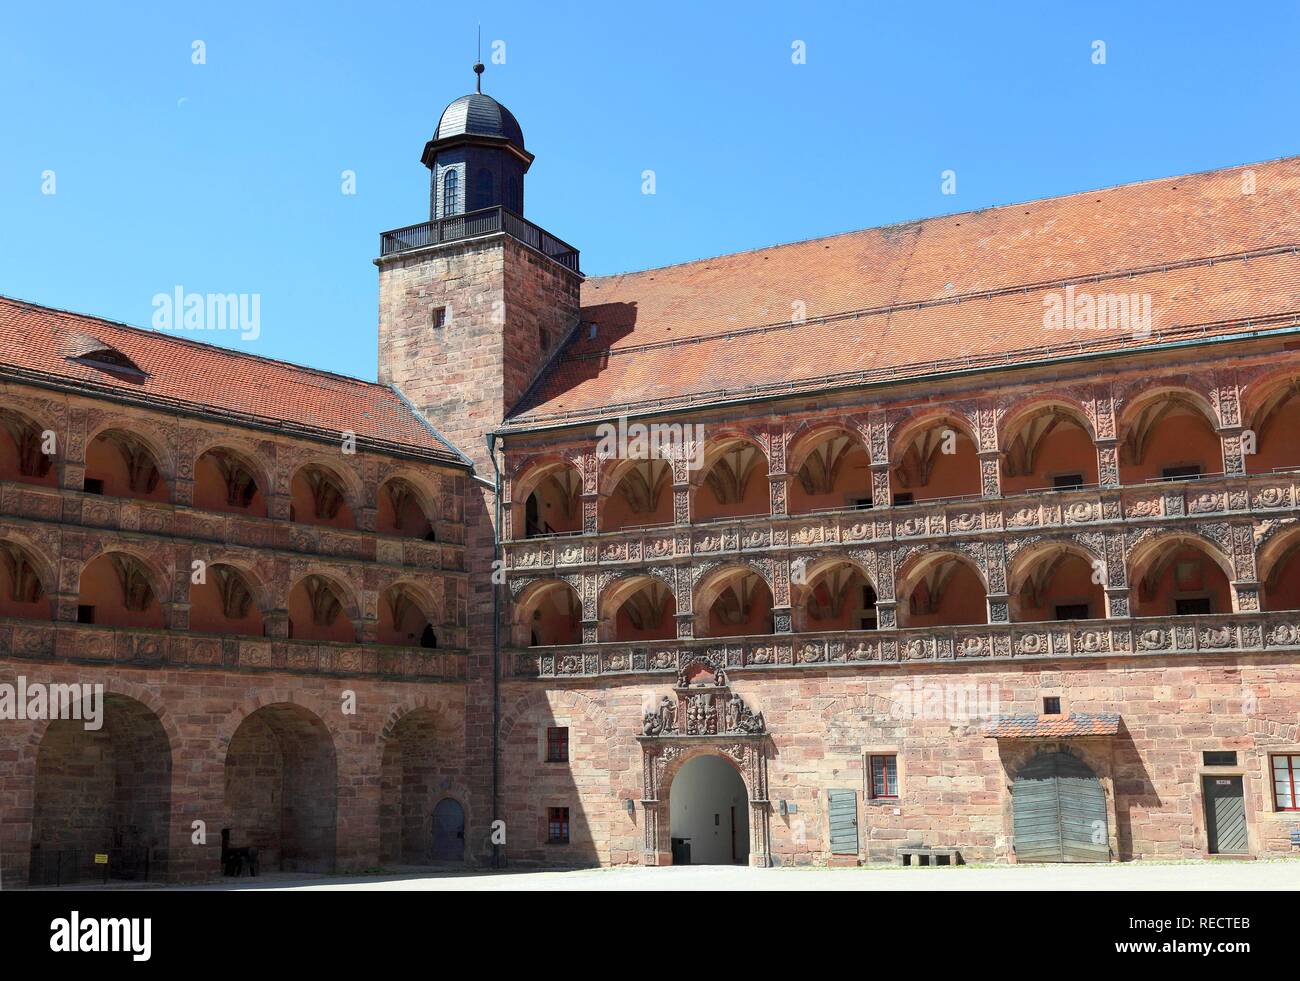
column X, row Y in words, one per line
column 843, row 820
column 1225, row 816
column 1059, row 811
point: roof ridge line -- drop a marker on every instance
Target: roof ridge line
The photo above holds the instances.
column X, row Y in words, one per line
column 153, row 333
column 941, row 301
column 952, row 214
column 689, row 401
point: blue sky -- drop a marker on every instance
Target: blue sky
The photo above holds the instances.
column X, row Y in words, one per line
column 226, row 177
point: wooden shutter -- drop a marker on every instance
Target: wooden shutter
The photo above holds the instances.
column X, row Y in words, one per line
column 843, row 819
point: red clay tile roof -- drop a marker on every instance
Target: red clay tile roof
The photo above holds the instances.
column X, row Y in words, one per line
column 1052, row 726
column 939, row 294
column 39, row 344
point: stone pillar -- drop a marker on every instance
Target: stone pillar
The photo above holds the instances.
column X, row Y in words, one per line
column 880, row 496
column 1108, row 462
column 1116, row 585
column 685, row 625
column 276, row 623
column 778, row 494
column 999, row 602
column 886, row 614
column 1246, row 590
column 1234, row 461
column 590, row 504
column 990, row 473
column 877, row 439
column 72, row 474
column 507, row 532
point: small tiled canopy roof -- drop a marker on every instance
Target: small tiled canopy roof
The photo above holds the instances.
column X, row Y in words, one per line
column 1211, row 250
column 54, row 347
column 1052, row 726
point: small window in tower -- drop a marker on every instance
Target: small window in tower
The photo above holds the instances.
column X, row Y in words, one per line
column 1052, row 705
column 450, row 193
column 439, row 316
column 482, row 189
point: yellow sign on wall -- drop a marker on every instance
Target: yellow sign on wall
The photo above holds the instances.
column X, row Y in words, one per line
column 101, row 859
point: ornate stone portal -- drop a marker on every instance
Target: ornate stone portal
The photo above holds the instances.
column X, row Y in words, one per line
column 702, row 717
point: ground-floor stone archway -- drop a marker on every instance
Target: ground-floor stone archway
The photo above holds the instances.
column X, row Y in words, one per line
column 709, row 813
column 704, row 718
column 413, row 777
column 282, row 789
column 105, row 791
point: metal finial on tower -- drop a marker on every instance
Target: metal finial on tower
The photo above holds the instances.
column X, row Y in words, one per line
column 478, row 64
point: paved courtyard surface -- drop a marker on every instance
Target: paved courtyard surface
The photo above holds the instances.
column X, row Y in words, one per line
column 1209, row 876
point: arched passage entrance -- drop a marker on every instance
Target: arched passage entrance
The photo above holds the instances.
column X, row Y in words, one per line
column 414, row 766
column 282, row 789
column 686, row 738
column 1059, row 811
column 104, row 791
column 709, row 814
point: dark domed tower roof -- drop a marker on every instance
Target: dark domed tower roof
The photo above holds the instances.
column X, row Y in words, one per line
column 477, row 114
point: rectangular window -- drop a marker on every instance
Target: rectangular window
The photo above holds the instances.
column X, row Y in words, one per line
column 557, row 825
column 557, row 744
column 92, row 485
column 1219, row 758
column 1177, row 473
column 1072, row 611
column 1065, row 481
column 1052, row 705
column 1286, row 795
column 1192, row 607
column 85, row 614
column 439, row 316
column 903, row 500
column 884, row 777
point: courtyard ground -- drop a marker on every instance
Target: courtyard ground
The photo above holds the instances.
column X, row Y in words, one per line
column 1193, row 876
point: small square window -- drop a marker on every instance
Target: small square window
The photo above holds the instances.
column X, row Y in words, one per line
column 903, row 500
column 1192, row 607
column 1178, row 473
column 1219, row 758
column 1067, row 481
column 85, row 614
column 884, row 777
column 557, row 825
column 1052, row 705
column 439, row 317
column 1072, row 611
column 557, row 744
column 862, row 503
column 92, row 485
